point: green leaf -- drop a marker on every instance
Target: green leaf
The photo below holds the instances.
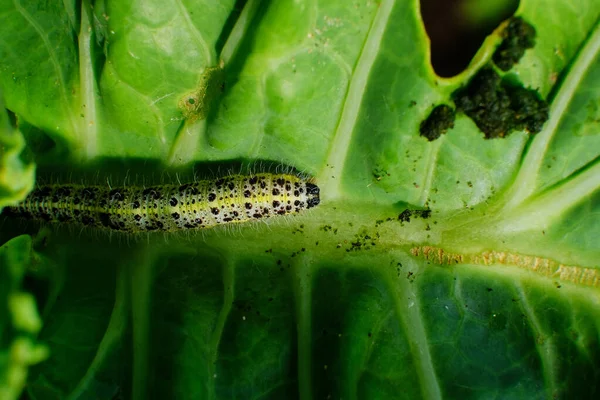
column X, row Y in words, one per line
column 16, row 175
column 19, row 319
column 460, row 267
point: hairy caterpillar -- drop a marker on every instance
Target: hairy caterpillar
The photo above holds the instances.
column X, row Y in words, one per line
column 168, row 208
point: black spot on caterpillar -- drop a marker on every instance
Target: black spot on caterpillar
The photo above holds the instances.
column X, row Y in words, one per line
column 169, row 208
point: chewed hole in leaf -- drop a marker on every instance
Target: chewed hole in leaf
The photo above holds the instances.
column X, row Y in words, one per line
column 458, row 28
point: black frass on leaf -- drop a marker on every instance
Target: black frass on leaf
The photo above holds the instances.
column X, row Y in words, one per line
column 438, row 122
column 518, row 37
column 499, row 107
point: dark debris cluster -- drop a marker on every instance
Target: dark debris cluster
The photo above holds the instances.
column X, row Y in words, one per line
column 499, row 107
column 438, row 122
column 518, row 37
column 496, row 105
column 405, row 215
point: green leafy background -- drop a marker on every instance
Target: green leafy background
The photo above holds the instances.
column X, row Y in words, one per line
column 332, row 304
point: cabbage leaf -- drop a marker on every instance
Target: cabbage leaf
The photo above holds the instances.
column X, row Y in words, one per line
column 461, row 267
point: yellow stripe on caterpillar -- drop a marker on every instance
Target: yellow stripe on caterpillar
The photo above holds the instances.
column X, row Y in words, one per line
column 168, row 208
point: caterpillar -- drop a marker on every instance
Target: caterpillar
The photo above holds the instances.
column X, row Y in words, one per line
column 168, row 208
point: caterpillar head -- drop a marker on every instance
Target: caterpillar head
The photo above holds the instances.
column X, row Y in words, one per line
column 312, row 195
